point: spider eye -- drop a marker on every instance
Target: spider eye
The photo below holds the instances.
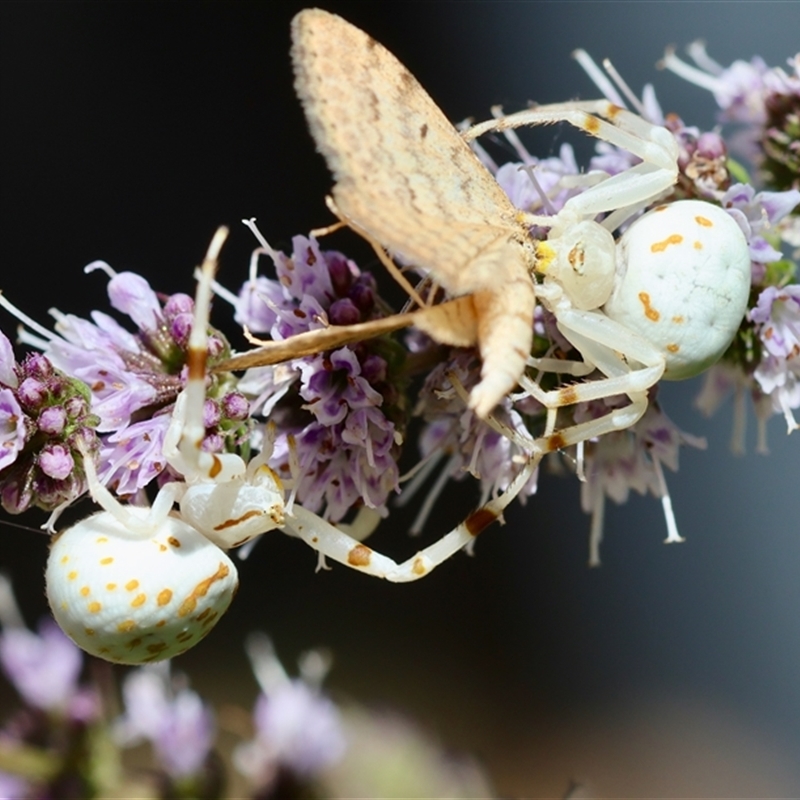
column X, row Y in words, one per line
column 133, row 599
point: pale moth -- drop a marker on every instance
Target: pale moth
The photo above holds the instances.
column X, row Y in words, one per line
column 663, row 302
column 134, row 585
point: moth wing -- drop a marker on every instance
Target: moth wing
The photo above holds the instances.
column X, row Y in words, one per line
column 403, row 173
column 452, row 250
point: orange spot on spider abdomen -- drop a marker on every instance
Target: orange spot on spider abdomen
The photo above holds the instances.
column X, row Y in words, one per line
column 660, row 247
column 650, row 312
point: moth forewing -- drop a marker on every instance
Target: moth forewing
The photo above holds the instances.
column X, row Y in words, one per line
column 406, row 177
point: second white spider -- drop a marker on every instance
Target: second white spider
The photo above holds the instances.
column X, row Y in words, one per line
column 132, row 584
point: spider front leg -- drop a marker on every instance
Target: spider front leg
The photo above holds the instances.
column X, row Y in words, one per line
column 637, row 186
column 228, row 501
column 184, row 439
column 334, row 543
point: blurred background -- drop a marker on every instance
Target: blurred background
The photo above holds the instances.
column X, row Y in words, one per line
column 130, row 131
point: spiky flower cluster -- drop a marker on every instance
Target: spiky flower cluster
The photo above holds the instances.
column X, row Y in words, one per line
column 129, row 381
column 346, row 410
column 44, row 417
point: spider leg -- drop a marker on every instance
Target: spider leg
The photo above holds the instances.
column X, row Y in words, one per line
column 183, row 442
column 625, row 193
column 599, row 118
column 167, row 496
column 339, row 546
column 631, row 366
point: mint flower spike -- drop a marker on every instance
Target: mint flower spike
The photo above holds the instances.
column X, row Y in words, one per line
column 45, row 418
column 161, row 708
column 45, row 667
column 133, row 378
column 345, row 408
column 297, row 728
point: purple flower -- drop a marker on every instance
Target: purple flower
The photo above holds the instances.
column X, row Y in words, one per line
column 174, row 719
column 99, row 353
column 56, row 461
column 549, row 172
column 132, row 378
column 300, row 727
column 469, row 444
column 44, row 418
column 738, row 89
column 702, row 160
column 52, row 420
column 631, row 459
column 133, row 456
column 12, row 787
column 8, row 375
column 757, row 212
column 779, row 379
column 779, row 82
column 44, row 667
column 185, row 736
column 13, row 431
column 777, row 314
column 297, row 727
column 339, row 406
column 333, row 386
column 777, row 318
column 256, row 303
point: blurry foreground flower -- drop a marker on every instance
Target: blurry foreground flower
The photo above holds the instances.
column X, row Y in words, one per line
column 163, row 710
column 42, row 743
column 306, row 746
column 298, row 730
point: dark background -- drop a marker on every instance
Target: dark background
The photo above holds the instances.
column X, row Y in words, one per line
column 130, row 131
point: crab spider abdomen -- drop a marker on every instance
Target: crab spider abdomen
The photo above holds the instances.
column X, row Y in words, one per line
column 132, row 598
column 683, row 279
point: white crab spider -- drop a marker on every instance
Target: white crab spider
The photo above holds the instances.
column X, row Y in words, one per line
column 664, row 301
column 134, row 585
